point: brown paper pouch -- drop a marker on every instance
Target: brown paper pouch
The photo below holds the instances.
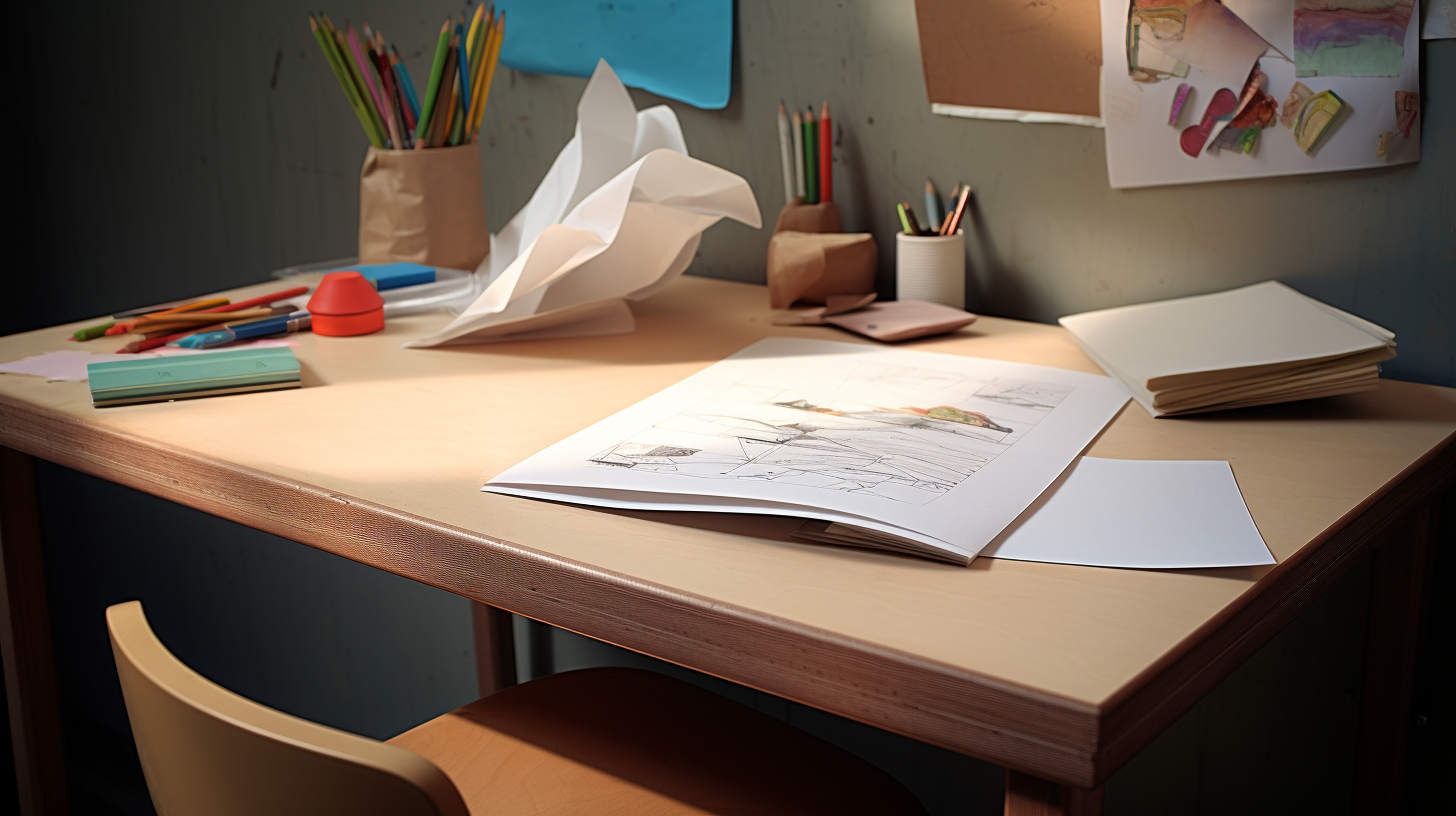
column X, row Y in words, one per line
column 426, row 206
column 812, row 266
column 797, row 216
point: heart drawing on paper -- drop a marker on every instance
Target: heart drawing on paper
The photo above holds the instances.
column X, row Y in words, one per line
column 1220, row 109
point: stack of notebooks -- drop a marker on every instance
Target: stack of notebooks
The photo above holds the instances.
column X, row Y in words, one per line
column 1257, row 345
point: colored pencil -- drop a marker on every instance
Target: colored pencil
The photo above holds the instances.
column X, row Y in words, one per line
column 904, row 218
column 811, row 160
column 341, row 49
column 797, row 127
column 379, row 61
column 445, row 105
column 910, row 217
column 492, row 56
column 271, row 298
column 124, row 326
column 93, row 332
column 386, row 111
column 221, row 319
column 197, row 317
column 954, row 222
column 153, row 339
column 380, row 64
column 402, row 72
column 786, row 154
column 377, row 83
column 934, row 209
column 432, row 90
column 344, row 82
column 479, row 43
column 826, row 156
column 215, row 306
column 462, row 71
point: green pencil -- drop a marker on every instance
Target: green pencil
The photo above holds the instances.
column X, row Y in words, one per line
column 904, row 218
column 811, row 159
column 345, row 83
column 351, row 68
column 433, row 88
column 92, row 332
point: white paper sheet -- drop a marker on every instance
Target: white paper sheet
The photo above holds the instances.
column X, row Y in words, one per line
column 617, row 217
column 1143, row 150
column 829, row 431
column 1438, row 19
column 1137, row 514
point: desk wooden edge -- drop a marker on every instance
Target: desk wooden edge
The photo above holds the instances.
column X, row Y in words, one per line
column 1055, row 738
column 1147, row 705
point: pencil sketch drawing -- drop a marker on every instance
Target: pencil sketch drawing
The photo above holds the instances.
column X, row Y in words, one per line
column 893, row 431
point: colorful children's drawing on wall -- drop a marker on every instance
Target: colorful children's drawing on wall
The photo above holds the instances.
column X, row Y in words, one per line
column 1317, row 118
column 1350, row 37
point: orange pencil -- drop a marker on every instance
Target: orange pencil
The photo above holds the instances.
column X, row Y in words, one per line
column 217, row 305
column 954, row 222
column 124, row 326
column 826, row 154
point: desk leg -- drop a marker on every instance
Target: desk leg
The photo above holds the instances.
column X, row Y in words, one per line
column 1399, row 581
column 495, row 648
column 25, row 639
column 1028, row 795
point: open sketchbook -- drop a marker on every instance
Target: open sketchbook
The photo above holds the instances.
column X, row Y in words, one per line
column 938, row 450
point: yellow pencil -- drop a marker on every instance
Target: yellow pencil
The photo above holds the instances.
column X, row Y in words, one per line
column 474, row 25
column 491, row 58
column 479, row 50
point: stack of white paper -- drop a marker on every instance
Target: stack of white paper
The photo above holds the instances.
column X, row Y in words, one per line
column 1257, row 345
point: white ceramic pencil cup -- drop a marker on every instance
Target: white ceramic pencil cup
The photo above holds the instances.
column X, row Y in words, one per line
column 931, row 267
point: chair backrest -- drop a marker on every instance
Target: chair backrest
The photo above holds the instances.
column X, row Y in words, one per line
column 206, row 750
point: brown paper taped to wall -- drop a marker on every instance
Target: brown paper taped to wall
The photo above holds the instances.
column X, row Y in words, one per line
column 426, row 206
column 811, row 266
column 1012, row 54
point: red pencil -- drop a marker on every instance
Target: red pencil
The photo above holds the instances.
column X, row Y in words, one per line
column 142, row 345
column 258, row 301
column 826, row 154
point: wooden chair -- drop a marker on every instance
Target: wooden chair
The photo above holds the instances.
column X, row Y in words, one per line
column 596, row 741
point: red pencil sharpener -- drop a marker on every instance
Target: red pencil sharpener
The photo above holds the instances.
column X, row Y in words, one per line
column 346, row 304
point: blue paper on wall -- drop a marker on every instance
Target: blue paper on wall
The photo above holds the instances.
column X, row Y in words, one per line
column 680, row 49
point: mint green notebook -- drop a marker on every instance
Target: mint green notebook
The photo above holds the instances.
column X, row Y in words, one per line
column 123, row 382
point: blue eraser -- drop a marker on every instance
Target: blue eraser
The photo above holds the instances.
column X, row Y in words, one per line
column 395, row 275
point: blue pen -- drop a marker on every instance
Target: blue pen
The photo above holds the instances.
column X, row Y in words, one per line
column 282, row 324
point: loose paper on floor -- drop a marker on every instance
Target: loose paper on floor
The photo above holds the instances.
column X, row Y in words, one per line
column 935, row 448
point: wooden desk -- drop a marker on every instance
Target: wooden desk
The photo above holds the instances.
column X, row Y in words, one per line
column 1059, row 673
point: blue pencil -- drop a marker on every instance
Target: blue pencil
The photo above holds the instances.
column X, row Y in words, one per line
column 409, row 86
column 934, row 209
column 464, row 65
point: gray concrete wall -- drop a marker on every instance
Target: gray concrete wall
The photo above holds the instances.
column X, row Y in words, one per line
column 176, row 148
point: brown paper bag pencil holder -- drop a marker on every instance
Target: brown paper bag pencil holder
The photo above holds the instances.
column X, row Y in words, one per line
column 426, row 206
column 809, row 258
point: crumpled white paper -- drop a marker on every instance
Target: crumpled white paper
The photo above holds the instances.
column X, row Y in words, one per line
column 617, row 217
